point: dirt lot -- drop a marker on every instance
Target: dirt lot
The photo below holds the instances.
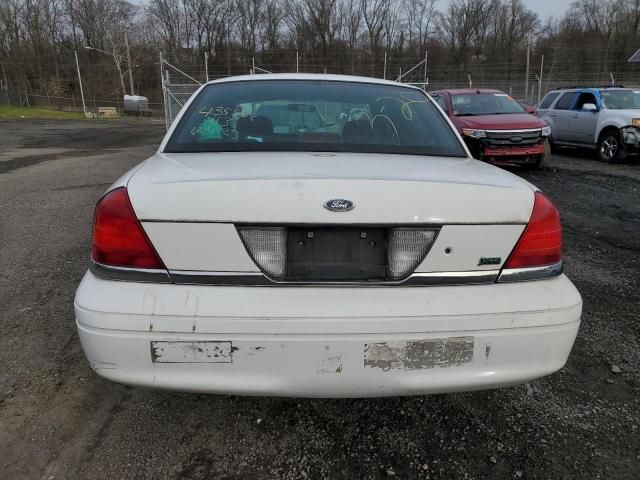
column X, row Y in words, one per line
column 59, row 420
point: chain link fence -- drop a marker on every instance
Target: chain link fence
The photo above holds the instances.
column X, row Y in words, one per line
column 24, row 99
column 178, row 85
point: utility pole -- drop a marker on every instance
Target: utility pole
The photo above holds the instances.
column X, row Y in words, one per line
column 206, row 65
column 84, row 107
column 526, row 75
column 126, row 43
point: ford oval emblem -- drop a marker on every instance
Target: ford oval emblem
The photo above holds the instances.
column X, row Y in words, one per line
column 339, row 205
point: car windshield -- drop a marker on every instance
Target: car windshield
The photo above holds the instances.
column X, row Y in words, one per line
column 484, row 104
column 313, row 115
column 620, row 99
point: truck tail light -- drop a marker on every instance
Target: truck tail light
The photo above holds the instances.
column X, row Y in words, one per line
column 541, row 242
column 118, row 237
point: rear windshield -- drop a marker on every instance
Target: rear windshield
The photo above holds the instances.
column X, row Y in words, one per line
column 484, row 104
column 310, row 115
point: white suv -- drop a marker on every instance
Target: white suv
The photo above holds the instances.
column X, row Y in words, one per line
column 604, row 118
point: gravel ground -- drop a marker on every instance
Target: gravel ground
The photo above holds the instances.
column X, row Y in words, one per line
column 59, row 420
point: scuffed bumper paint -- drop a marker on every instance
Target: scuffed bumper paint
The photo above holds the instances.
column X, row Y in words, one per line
column 420, row 355
column 327, row 342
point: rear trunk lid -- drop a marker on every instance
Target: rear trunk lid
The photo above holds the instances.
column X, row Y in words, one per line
column 265, row 212
column 292, row 188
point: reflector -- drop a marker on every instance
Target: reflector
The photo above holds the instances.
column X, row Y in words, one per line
column 267, row 247
column 118, row 239
column 541, row 241
column 406, row 248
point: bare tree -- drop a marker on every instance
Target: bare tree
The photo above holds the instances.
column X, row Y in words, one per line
column 351, row 14
column 374, row 13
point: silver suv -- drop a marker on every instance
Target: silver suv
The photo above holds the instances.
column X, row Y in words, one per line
column 604, row 118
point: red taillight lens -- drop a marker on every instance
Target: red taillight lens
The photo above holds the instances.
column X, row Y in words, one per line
column 541, row 241
column 118, row 238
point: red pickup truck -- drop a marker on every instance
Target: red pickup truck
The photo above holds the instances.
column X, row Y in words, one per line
column 495, row 127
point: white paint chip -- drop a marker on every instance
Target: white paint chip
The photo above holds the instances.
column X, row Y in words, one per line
column 330, row 365
column 191, row 352
column 418, row 355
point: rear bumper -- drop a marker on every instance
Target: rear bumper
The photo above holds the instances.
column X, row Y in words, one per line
column 326, row 342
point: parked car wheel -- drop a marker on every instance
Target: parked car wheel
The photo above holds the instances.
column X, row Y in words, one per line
column 611, row 148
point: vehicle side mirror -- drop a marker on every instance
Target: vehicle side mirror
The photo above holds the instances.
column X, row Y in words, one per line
column 532, row 110
column 590, row 107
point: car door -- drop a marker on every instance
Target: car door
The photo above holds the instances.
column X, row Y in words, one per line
column 583, row 123
column 545, row 105
column 561, row 116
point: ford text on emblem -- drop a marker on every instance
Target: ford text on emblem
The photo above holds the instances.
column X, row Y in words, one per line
column 339, row 205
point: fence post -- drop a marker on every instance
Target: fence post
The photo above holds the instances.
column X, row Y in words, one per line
column 384, row 71
column 426, row 62
column 526, row 75
column 162, row 90
column 84, row 107
column 540, row 79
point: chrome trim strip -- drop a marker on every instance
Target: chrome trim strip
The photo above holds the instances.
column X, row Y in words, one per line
column 453, row 278
column 144, row 275
column 526, row 130
column 535, row 273
column 183, row 277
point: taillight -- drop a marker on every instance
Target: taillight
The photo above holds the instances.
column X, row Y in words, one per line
column 541, row 242
column 268, row 248
column 406, row 248
column 118, row 238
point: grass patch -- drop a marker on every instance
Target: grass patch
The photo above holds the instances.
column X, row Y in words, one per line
column 8, row 112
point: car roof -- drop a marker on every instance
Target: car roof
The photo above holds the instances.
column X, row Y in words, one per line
column 468, row 91
column 588, row 89
column 311, row 76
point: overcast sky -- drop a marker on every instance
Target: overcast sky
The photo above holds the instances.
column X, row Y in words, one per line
column 544, row 8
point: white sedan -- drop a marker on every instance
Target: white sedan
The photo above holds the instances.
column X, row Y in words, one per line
column 323, row 236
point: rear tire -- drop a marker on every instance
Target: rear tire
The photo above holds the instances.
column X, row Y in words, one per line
column 611, row 147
